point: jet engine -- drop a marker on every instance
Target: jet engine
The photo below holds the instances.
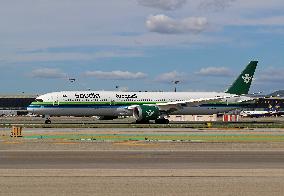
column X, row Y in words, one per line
column 144, row 113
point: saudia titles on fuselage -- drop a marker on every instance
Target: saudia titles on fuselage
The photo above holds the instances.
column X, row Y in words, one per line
column 98, row 96
column 133, row 96
column 88, row 95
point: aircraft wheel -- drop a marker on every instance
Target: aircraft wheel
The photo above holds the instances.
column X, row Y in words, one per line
column 167, row 121
column 142, row 122
column 48, row 121
column 162, row 121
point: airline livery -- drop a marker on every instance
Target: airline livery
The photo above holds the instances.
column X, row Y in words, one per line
column 144, row 106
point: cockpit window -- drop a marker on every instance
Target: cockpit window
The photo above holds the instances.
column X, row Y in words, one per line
column 39, row 100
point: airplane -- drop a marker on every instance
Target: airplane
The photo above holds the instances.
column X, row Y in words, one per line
column 144, row 106
column 265, row 106
column 257, row 113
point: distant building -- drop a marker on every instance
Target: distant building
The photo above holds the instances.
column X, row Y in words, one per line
column 279, row 93
column 15, row 104
column 197, row 118
column 272, row 102
column 272, row 106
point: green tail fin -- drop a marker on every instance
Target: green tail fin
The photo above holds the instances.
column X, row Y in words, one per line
column 242, row 84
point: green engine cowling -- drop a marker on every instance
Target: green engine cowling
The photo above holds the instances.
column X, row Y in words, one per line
column 146, row 113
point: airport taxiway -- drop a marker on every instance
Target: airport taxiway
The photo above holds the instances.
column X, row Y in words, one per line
column 141, row 160
column 250, row 163
column 91, row 122
column 141, row 173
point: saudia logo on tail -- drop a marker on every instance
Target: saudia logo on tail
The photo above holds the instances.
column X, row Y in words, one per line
column 149, row 113
column 246, row 78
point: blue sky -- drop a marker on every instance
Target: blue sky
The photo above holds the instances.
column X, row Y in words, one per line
column 139, row 44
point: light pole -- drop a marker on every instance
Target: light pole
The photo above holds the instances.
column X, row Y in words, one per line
column 72, row 80
column 175, row 82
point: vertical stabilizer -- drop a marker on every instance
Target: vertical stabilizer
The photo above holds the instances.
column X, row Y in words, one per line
column 242, row 84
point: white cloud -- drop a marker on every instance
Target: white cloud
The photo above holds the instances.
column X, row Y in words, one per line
column 48, row 73
column 43, row 56
column 46, row 56
column 261, row 21
column 163, row 4
column 169, row 77
column 259, row 5
column 51, row 23
column 116, row 75
column 215, row 5
column 214, row 71
column 273, row 75
column 113, row 54
column 166, row 25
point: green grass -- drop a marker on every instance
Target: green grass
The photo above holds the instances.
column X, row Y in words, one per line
column 166, row 137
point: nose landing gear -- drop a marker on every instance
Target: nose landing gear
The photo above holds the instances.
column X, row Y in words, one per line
column 47, row 119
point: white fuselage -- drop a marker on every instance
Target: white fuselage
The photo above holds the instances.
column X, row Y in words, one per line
column 115, row 103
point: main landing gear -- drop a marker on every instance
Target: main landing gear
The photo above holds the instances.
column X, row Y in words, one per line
column 142, row 121
column 157, row 121
column 162, row 121
column 47, row 119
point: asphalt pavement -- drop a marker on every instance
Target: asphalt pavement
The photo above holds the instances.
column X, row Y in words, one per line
column 141, row 160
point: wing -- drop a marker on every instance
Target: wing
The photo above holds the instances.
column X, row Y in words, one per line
column 177, row 105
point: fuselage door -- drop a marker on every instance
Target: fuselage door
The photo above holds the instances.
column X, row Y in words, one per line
column 111, row 100
column 55, row 100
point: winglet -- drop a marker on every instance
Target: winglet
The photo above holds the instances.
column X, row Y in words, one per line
column 242, row 84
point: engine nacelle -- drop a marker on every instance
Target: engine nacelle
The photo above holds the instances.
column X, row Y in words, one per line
column 146, row 113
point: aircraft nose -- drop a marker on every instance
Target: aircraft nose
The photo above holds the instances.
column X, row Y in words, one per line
column 30, row 109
